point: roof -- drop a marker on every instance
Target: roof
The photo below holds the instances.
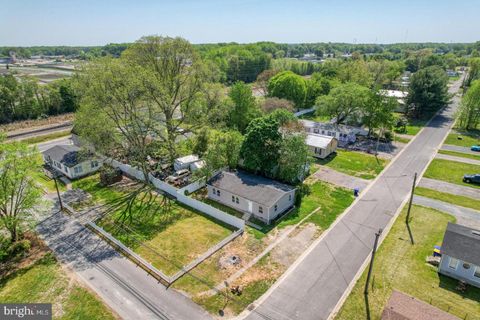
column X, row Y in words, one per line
column 462, row 243
column 394, row 93
column 252, row 187
column 66, row 154
column 334, row 127
column 404, row 307
column 188, row 159
column 318, row 140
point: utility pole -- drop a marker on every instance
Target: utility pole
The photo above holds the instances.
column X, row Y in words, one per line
column 58, row 192
column 370, row 268
column 407, row 219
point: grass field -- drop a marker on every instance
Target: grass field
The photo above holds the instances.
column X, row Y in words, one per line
column 401, row 266
column 451, row 171
column 168, row 237
column 469, row 138
column 46, row 282
column 47, row 137
column 460, row 154
column 414, row 125
column 47, row 183
column 449, row 198
column 355, row 164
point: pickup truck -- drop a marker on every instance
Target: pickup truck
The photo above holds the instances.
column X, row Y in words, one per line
column 471, row 178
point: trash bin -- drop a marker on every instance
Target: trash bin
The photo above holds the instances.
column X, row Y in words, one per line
column 356, row 191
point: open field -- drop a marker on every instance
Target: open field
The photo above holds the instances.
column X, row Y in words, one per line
column 45, row 281
column 451, row 171
column 355, row 164
column 401, row 266
column 46, row 137
column 168, row 235
column 468, row 138
column 449, row 198
column 460, row 154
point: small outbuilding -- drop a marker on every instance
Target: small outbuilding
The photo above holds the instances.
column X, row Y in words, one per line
column 321, row 146
column 185, row 162
column 71, row 161
column 264, row 198
column 461, row 254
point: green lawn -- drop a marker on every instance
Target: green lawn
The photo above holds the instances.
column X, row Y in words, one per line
column 469, row 138
column 47, row 183
column 47, row 137
column 168, row 237
column 355, row 164
column 451, row 171
column 46, row 282
column 449, row 198
column 414, row 125
column 401, row 266
column 460, row 154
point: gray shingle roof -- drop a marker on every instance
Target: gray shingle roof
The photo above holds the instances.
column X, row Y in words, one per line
column 252, row 187
column 65, row 154
column 462, row 243
column 318, row 141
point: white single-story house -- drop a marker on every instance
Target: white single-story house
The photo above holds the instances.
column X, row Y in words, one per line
column 70, row 161
column 185, row 162
column 264, row 198
column 461, row 254
column 321, row 146
column 343, row 133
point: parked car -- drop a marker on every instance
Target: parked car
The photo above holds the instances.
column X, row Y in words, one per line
column 471, row 178
column 180, row 174
column 475, row 148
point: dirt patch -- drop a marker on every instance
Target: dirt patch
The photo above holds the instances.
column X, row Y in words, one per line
column 287, row 251
column 33, row 124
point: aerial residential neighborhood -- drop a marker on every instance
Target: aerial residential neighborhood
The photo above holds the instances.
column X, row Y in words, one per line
column 240, row 160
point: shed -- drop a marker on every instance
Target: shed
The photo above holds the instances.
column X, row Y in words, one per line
column 321, row 146
column 185, row 162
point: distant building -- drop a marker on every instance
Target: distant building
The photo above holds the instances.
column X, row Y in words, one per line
column 404, row 307
column 264, row 198
column 321, row 146
column 452, row 73
column 400, row 96
column 461, row 254
column 343, row 133
column 71, row 161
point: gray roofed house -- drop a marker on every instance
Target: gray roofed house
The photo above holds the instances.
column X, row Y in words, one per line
column 70, row 161
column 461, row 254
column 265, row 198
column 321, row 146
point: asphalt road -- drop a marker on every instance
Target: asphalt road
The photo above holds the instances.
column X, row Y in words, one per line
column 39, row 131
column 314, row 287
column 126, row 288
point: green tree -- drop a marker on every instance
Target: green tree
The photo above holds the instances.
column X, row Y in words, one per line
column 201, row 142
column 473, row 71
column 469, row 111
column 223, row 151
column 288, row 85
column 428, row 92
column 343, row 102
column 293, row 157
column 378, row 112
column 244, row 107
column 19, row 193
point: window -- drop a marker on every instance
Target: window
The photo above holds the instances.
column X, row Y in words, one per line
column 94, row 164
column 260, row 209
column 77, row 170
column 452, row 264
column 213, row 191
column 323, row 131
column 218, row 193
column 276, row 207
column 315, row 130
column 466, row 266
column 289, row 197
column 233, row 198
column 477, row 272
column 236, row 199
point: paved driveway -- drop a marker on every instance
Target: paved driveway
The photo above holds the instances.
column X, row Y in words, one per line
column 340, row 179
column 450, row 147
column 126, row 288
column 465, row 216
column 452, row 188
column 314, row 287
column 458, row 159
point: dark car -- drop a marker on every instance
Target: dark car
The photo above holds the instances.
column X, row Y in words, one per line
column 471, row 178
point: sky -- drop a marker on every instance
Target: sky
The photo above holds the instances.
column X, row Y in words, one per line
column 87, row 22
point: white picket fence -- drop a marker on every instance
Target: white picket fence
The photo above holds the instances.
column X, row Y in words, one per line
column 179, row 194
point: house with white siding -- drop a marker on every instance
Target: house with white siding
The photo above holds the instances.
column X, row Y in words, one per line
column 321, row 146
column 264, row 198
column 71, row 161
column 461, row 254
column 343, row 133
